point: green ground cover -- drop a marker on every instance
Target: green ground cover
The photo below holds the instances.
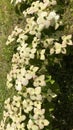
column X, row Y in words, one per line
column 7, row 22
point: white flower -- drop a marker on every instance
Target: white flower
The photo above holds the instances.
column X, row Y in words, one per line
column 30, row 91
column 38, row 90
column 21, row 126
column 13, row 35
column 53, row 2
column 39, row 112
column 22, row 38
column 46, row 2
column 37, row 104
column 15, row 58
column 33, row 68
column 18, row 86
column 52, row 15
column 22, row 118
column 67, row 40
column 32, row 72
column 9, row 85
column 16, row 101
column 36, row 97
column 10, row 127
column 12, row 1
column 7, row 101
column 24, row 81
column 43, row 21
column 18, row 1
column 27, row 105
column 42, row 123
column 32, row 53
column 10, row 39
column 39, row 81
column 58, row 48
column 63, row 50
column 32, row 126
column 52, row 51
column 2, row 125
column 35, row 127
column 35, row 94
column 46, row 122
column 23, row 71
column 28, row 75
column 42, row 53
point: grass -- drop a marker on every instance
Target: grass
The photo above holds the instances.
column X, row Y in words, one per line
column 8, row 20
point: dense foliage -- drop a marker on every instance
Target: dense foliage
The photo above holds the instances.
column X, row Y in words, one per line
column 40, row 69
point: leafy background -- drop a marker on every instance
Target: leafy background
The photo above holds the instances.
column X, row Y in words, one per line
column 61, row 71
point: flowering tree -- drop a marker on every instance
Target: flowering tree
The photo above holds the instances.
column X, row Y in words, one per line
column 36, row 48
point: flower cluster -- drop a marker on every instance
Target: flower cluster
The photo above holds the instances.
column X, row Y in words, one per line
column 53, row 2
column 28, row 70
column 30, row 116
column 24, row 68
column 55, row 47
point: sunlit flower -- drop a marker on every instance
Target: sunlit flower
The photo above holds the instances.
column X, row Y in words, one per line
column 58, row 48
column 67, row 40
column 27, row 105
column 42, row 53
column 39, row 81
column 42, row 123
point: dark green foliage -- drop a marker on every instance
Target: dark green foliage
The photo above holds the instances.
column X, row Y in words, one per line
column 64, row 103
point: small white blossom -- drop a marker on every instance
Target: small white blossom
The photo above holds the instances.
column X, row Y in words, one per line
column 42, row 53
column 27, row 105
column 39, row 81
